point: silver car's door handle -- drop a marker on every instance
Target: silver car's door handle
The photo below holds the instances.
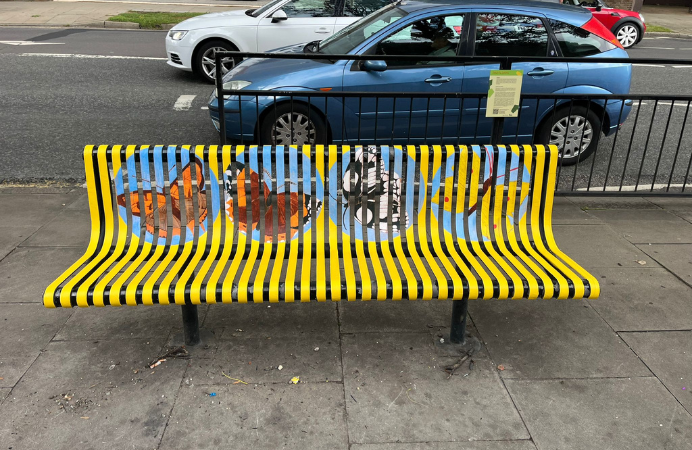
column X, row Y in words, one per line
column 438, row 80
column 539, row 72
column 322, row 30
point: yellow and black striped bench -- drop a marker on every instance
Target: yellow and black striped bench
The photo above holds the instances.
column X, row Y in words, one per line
column 183, row 225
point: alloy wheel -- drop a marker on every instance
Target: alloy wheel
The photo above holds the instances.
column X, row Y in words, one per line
column 627, row 35
column 572, row 135
column 293, row 129
column 209, row 62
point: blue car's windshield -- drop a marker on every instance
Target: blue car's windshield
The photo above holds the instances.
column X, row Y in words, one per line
column 355, row 34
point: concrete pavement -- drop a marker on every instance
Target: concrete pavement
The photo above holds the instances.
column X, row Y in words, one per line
column 609, row 373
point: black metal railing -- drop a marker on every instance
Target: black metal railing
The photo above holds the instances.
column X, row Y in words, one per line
column 645, row 147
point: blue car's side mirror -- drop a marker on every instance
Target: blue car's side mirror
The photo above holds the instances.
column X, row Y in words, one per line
column 374, row 66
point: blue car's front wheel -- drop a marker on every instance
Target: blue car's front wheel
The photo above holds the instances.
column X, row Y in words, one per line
column 292, row 124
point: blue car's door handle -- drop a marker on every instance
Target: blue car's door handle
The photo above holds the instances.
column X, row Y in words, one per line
column 438, row 80
column 540, row 72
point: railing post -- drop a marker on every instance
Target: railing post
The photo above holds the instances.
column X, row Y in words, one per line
column 218, row 76
column 499, row 122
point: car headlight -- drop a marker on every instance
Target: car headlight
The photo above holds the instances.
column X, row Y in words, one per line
column 642, row 17
column 233, row 85
column 177, row 35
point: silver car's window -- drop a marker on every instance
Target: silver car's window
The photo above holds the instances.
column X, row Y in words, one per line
column 258, row 12
column 360, row 8
column 309, row 8
column 355, row 34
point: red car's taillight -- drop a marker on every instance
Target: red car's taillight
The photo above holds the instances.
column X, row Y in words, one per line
column 597, row 28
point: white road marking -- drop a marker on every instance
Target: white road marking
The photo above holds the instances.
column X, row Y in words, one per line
column 682, row 67
column 649, row 65
column 660, row 48
column 80, row 56
column 30, row 43
column 641, row 187
column 204, row 107
column 184, row 102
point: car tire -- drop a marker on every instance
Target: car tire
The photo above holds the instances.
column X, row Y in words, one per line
column 304, row 124
column 628, row 34
column 202, row 63
column 562, row 131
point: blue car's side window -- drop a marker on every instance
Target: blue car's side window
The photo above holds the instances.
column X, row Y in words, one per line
column 434, row 36
column 510, row 35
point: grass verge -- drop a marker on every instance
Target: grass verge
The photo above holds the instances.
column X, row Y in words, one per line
column 658, row 29
column 152, row 20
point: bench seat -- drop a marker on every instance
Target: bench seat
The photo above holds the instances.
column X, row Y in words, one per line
column 182, row 225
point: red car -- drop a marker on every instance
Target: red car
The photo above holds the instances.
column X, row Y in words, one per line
column 627, row 26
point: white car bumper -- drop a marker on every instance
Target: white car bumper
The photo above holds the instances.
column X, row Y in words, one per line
column 179, row 54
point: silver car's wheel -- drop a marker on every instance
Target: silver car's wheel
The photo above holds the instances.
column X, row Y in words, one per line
column 293, row 128
column 628, row 35
column 572, row 135
column 209, row 62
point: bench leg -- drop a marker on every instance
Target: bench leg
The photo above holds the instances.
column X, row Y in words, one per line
column 459, row 312
column 190, row 325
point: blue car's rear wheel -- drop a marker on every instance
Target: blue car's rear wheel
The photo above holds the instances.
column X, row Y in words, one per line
column 575, row 131
column 293, row 125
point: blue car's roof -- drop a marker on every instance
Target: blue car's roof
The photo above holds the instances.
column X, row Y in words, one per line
column 573, row 15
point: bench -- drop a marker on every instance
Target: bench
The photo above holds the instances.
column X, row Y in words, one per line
column 186, row 226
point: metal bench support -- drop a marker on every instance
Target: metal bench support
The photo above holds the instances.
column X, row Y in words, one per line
column 459, row 313
column 190, row 324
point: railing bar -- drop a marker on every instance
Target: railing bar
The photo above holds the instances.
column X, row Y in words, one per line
column 612, row 149
column 663, row 143
column 677, row 151
column 593, row 157
column 646, row 145
column 629, row 147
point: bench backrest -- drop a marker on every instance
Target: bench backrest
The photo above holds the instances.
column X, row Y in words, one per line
column 477, row 205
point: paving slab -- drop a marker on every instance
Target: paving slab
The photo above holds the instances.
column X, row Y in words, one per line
column 566, row 212
column 124, row 322
column 81, row 202
column 11, row 237
column 677, row 258
column 19, row 282
column 595, row 246
column 590, row 203
column 275, row 320
column 256, row 360
column 643, row 299
column 647, row 226
column 25, row 329
column 71, row 228
column 87, row 395
column 32, row 210
column 303, row 416
column 4, row 392
column 478, row 445
column 627, row 414
column 394, row 316
column 397, row 391
column 669, row 356
column 552, row 339
column 681, row 207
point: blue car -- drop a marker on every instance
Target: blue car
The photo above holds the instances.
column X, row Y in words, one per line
column 456, row 27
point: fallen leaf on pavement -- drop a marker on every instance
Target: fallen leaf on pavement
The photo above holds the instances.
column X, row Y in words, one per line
column 500, row 367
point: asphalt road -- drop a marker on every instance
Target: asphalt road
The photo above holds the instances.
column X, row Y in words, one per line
column 62, row 89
